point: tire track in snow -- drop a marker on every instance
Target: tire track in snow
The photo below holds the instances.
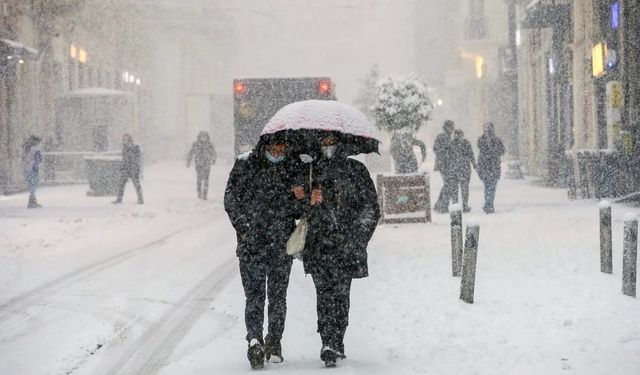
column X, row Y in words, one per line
column 16, row 305
column 151, row 352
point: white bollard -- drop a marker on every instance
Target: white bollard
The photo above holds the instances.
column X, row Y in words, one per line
column 456, row 239
column 630, row 255
column 606, row 253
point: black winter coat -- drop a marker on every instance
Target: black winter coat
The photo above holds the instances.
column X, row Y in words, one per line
column 402, row 152
column 462, row 158
column 490, row 150
column 342, row 225
column 204, row 154
column 131, row 158
column 261, row 207
column 441, row 148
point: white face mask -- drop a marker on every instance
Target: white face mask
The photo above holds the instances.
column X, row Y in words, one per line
column 274, row 159
column 329, row 151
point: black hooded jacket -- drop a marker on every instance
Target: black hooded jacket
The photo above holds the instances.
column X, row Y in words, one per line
column 341, row 226
column 261, row 205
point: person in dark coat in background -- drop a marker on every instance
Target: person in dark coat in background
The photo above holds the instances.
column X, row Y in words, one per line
column 31, row 160
column 462, row 159
column 262, row 209
column 402, row 152
column 441, row 148
column 490, row 151
column 130, row 168
column 343, row 214
column 205, row 155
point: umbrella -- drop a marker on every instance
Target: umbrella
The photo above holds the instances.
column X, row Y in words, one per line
column 312, row 119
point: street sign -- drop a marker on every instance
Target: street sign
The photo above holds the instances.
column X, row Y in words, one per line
column 404, row 198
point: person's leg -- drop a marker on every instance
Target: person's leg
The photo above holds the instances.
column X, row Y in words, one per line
column 343, row 304
column 492, row 194
column 31, row 184
column 121, row 185
column 199, row 176
column 277, row 284
column 205, row 182
column 324, row 304
column 135, row 178
column 442, row 204
column 464, row 186
column 454, row 187
column 253, row 275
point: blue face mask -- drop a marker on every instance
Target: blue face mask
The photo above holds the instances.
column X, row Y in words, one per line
column 273, row 159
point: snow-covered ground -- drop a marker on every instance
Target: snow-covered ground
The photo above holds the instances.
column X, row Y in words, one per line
column 92, row 288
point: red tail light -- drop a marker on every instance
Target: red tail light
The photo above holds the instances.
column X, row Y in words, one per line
column 325, row 87
column 238, row 88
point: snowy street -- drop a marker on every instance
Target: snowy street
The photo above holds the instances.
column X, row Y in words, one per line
column 94, row 288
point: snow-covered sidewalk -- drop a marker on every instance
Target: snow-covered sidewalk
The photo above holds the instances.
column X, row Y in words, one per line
column 92, row 288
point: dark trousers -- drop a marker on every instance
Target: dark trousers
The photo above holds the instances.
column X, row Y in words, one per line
column 203, row 181
column 461, row 186
column 447, row 192
column 135, row 178
column 489, row 192
column 258, row 273
column 332, row 302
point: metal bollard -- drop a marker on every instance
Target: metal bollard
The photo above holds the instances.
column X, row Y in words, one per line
column 468, row 282
column 630, row 255
column 456, row 239
column 606, row 261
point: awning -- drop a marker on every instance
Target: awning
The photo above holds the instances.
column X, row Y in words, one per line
column 98, row 91
column 18, row 48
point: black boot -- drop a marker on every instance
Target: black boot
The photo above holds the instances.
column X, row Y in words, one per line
column 329, row 356
column 255, row 353
column 272, row 348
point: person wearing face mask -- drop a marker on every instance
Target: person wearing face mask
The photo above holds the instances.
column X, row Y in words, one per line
column 343, row 213
column 262, row 209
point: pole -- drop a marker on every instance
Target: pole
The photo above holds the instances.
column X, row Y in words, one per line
column 630, row 255
column 468, row 282
column 606, row 262
column 456, row 239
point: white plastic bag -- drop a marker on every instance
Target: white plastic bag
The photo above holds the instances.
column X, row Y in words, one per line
column 296, row 241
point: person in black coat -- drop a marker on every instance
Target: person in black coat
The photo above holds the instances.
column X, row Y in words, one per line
column 442, row 150
column 262, row 209
column 343, row 213
column 490, row 151
column 402, row 152
column 462, row 159
column 205, row 155
column 130, row 168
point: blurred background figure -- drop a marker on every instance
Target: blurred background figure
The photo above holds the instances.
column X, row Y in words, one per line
column 442, row 150
column 31, row 159
column 462, row 159
column 490, row 151
column 130, row 168
column 402, row 152
column 204, row 154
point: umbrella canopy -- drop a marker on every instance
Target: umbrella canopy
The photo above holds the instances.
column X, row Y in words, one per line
column 318, row 117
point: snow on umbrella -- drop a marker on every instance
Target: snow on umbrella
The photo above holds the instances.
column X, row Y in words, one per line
column 315, row 117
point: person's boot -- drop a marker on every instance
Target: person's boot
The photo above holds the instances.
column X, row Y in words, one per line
column 255, row 353
column 329, row 356
column 273, row 350
column 140, row 200
column 33, row 203
column 466, row 209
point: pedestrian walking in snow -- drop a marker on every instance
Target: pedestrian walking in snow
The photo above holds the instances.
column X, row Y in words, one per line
column 402, row 143
column 205, row 156
column 462, row 159
column 130, row 168
column 31, row 159
column 262, row 209
column 490, row 150
column 442, row 150
column 343, row 214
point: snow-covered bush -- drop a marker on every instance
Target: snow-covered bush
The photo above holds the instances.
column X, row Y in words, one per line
column 401, row 102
